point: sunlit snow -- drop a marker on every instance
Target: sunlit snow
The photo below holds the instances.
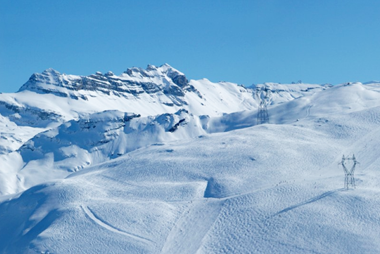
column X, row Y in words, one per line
column 183, row 167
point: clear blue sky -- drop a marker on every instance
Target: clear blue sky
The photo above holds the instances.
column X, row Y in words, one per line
column 252, row 41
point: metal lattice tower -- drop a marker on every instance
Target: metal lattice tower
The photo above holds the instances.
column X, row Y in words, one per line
column 264, row 98
column 349, row 178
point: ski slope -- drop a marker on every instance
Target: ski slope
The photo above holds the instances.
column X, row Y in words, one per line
column 212, row 184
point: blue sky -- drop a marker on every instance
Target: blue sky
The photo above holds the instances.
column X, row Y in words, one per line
column 252, row 41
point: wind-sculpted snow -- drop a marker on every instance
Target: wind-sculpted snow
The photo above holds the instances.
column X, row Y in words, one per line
column 265, row 189
column 109, row 134
column 100, row 137
column 179, row 166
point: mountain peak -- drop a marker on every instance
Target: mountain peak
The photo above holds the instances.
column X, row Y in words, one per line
column 151, row 67
column 51, row 71
column 135, row 81
column 153, row 71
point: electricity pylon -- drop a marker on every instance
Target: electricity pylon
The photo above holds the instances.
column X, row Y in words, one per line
column 264, row 98
column 349, row 179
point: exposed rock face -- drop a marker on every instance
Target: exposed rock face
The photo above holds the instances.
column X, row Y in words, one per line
column 134, row 81
column 24, row 115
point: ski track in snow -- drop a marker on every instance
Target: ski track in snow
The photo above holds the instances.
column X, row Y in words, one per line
column 309, row 201
column 111, row 228
column 187, row 234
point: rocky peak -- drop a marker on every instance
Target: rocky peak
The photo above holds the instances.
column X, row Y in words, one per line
column 48, row 76
column 135, row 81
column 51, row 72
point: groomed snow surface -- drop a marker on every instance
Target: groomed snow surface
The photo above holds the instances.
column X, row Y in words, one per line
column 216, row 184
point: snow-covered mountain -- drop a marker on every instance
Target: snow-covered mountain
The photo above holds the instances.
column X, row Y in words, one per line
column 156, row 90
column 152, row 162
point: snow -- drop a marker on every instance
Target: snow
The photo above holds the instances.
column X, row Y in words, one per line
column 196, row 181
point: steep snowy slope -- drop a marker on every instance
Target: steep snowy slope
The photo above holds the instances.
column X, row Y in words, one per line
column 13, row 135
column 229, row 186
column 51, row 98
column 100, row 137
column 75, row 145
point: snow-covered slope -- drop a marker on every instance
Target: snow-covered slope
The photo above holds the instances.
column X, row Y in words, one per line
column 51, row 98
column 55, row 97
column 50, row 104
column 100, row 137
column 264, row 189
column 195, row 174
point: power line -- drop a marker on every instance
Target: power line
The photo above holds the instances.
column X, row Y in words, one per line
column 264, row 96
column 349, row 178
